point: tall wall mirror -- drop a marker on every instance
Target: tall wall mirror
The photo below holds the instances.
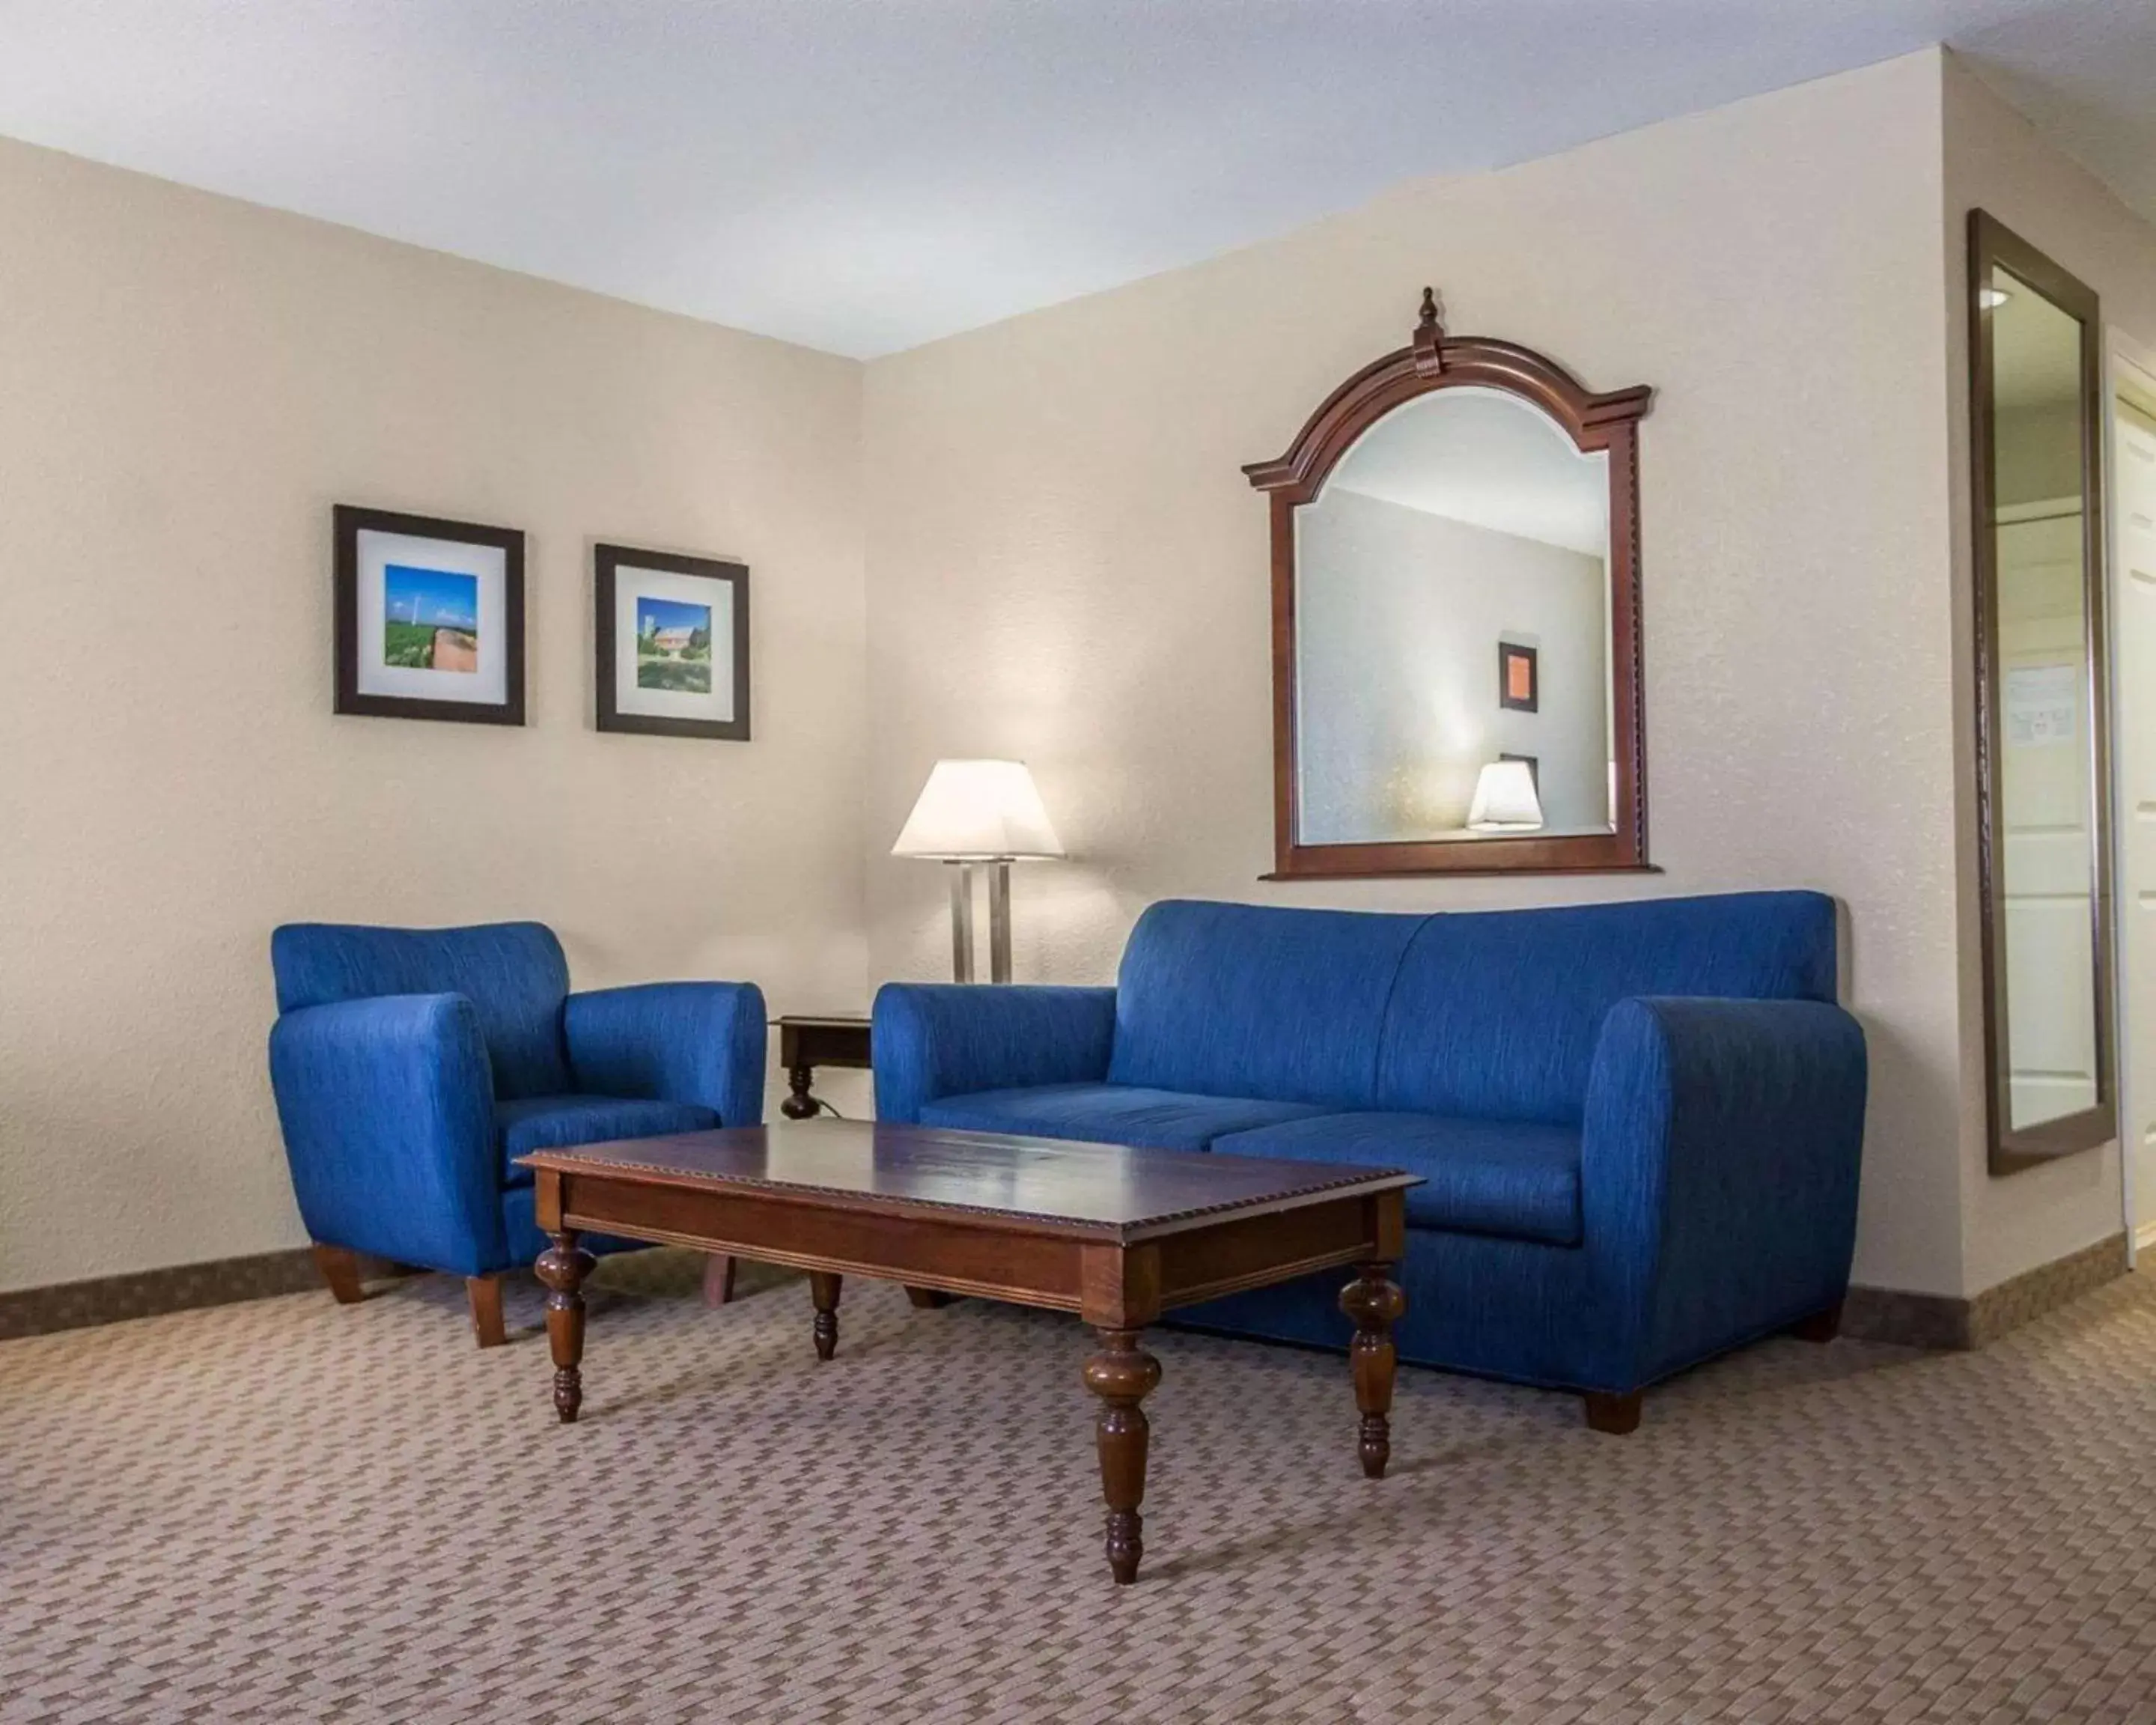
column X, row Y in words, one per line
column 2042, row 763
column 1456, row 619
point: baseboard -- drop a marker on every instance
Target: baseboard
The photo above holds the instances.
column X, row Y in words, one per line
column 1937, row 1321
column 1941, row 1321
column 146, row 1293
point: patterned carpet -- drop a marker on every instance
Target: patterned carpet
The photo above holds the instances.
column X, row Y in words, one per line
column 285, row 1511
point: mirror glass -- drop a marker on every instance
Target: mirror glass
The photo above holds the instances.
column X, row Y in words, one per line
column 1452, row 638
column 2046, row 862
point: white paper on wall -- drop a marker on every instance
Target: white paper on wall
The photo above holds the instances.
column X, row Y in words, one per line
column 2041, row 704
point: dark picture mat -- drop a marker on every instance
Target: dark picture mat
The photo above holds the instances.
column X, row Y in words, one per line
column 347, row 522
column 608, row 561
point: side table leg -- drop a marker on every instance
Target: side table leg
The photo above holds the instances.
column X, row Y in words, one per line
column 824, row 1286
column 563, row 1266
column 1375, row 1302
column 798, row 1104
column 1123, row 1375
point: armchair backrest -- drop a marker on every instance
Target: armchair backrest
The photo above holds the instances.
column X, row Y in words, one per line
column 513, row 973
column 1490, row 1014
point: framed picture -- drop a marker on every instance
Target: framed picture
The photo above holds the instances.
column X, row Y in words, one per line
column 672, row 635
column 430, row 618
column 1519, row 684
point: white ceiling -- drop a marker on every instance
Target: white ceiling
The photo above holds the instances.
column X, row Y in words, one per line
column 866, row 175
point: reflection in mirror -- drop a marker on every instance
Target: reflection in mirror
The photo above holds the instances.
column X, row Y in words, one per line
column 2048, row 866
column 1452, row 630
column 2047, row 916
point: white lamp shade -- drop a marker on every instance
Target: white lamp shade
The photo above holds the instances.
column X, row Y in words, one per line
column 976, row 811
column 1505, row 799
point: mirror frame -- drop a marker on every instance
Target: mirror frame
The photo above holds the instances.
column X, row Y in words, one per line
column 1596, row 424
column 1990, row 242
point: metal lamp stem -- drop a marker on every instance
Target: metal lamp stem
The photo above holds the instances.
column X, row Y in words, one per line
column 961, row 921
column 999, row 950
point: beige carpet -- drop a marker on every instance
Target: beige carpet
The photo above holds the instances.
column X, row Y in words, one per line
column 286, row 1511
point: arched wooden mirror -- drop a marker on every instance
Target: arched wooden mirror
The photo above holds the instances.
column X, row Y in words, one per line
column 1456, row 665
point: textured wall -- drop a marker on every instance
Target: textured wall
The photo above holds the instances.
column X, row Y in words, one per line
column 1995, row 161
column 1066, row 565
column 186, row 384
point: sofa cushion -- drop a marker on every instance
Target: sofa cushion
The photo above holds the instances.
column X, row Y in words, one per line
column 512, row 972
column 1495, row 1012
column 1517, row 1180
column 1257, row 1000
column 1109, row 1114
column 556, row 1122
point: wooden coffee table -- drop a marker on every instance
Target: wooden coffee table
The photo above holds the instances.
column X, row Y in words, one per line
column 1118, row 1235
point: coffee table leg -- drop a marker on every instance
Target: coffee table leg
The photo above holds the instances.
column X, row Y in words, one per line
column 1122, row 1374
column 563, row 1266
column 824, row 1286
column 1375, row 1303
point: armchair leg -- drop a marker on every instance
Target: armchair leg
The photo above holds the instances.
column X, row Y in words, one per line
column 718, row 1278
column 1822, row 1326
column 1616, row 1414
column 483, row 1294
column 928, row 1298
column 340, row 1269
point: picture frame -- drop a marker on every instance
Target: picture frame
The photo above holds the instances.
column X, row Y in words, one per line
column 456, row 651
column 671, row 638
column 1519, row 678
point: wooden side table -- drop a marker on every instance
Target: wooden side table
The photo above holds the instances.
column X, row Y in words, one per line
column 805, row 1042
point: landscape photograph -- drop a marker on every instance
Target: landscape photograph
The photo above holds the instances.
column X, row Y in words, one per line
column 673, row 645
column 429, row 619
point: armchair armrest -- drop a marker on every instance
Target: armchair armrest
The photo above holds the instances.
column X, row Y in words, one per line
column 674, row 1042
column 936, row 1040
column 387, row 1109
column 1718, row 1168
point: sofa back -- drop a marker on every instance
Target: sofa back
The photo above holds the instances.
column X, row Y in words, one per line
column 1251, row 1000
column 1495, row 1012
column 1491, row 1015
column 512, row 972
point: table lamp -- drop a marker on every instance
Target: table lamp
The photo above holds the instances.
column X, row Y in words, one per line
column 1505, row 799
column 978, row 812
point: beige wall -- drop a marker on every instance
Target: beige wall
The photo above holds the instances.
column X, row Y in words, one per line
column 1995, row 161
column 186, row 385
column 1066, row 565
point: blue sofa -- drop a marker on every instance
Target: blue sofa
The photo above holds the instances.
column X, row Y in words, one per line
column 411, row 1067
column 1640, row 1124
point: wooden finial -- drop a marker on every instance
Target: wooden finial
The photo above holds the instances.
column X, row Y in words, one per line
column 1429, row 337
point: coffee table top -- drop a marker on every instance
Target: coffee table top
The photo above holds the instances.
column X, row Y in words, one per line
column 1088, row 1191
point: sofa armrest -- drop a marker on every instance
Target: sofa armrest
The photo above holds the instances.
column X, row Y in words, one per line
column 674, row 1042
column 936, row 1040
column 1718, row 1168
column 387, row 1110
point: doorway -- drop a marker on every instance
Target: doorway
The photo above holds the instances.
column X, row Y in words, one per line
column 2133, row 609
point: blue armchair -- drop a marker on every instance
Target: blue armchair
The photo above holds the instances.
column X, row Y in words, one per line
column 1639, row 1125
column 411, row 1067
